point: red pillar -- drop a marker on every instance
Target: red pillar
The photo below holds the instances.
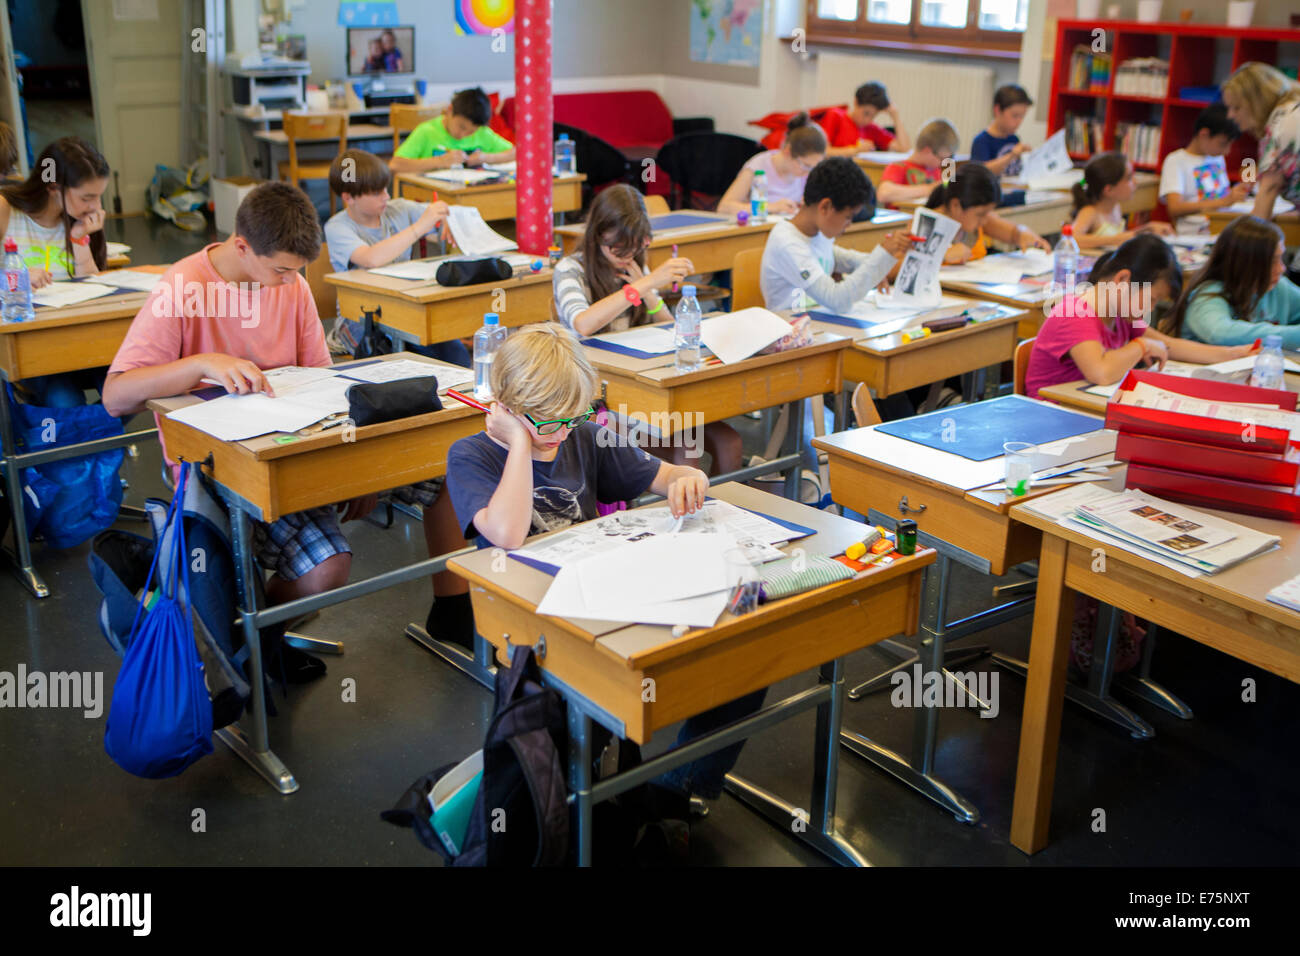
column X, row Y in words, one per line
column 533, row 117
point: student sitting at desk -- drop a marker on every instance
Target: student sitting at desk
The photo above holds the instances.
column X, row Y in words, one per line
column 459, row 135
column 854, row 130
column 785, row 169
column 1107, row 182
column 245, row 307
column 56, row 218
column 998, row 147
column 970, row 199
column 540, row 464
column 1102, row 333
column 1194, row 180
column 911, row 179
column 607, row 286
column 1242, row 293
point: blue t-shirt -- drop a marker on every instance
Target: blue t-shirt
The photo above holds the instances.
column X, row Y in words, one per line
column 593, row 465
column 344, row 235
column 986, row 146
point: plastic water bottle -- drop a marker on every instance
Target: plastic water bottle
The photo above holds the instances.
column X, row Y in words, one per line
column 758, row 197
column 1065, row 262
column 486, row 342
column 18, row 286
column 1268, row 370
column 686, row 330
column 565, row 163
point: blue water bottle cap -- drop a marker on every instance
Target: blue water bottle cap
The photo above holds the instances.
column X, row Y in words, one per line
column 564, row 137
column 1272, row 341
column 688, row 290
column 491, row 318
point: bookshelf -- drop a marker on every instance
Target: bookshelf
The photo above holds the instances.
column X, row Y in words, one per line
column 1196, row 54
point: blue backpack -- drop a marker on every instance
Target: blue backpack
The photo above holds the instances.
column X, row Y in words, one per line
column 67, row 502
column 160, row 718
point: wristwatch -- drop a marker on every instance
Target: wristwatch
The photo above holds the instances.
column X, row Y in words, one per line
column 630, row 293
column 83, row 241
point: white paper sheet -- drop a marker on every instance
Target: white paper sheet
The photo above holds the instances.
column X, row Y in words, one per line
column 426, row 270
column 1236, row 365
column 1049, row 166
column 129, row 279
column 466, row 177
column 1033, row 196
column 645, row 338
column 237, row 417
column 653, row 570
column 116, row 249
column 1247, row 206
column 449, row 376
column 473, row 236
column 564, row 599
column 1172, row 367
column 736, row 336
column 58, row 294
column 918, row 276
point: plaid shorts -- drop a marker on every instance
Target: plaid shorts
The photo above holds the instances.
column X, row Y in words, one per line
column 422, row 493
column 299, row 542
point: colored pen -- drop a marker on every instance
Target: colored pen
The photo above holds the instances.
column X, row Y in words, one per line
column 465, row 399
column 916, row 238
column 1258, row 344
column 674, row 256
column 442, row 226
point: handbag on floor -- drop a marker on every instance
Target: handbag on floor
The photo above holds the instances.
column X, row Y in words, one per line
column 160, row 717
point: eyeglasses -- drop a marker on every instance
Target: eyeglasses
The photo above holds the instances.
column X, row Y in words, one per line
column 550, row 428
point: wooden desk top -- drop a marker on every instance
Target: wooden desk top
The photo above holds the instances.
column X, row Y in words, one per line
column 727, row 226
column 278, row 137
column 462, row 189
column 893, row 344
column 427, row 291
column 659, row 370
column 1245, row 585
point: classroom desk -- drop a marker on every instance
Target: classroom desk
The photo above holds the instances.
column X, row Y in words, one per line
column 714, row 248
column 264, row 478
column 272, row 146
column 889, row 365
column 422, row 312
column 1030, row 295
column 249, row 126
column 1076, row 395
column 1227, row 611
column 68, row 339
column 1288, row 222
column 653, row 392
column 972, row 527
column 602, row 671
column 493, row 200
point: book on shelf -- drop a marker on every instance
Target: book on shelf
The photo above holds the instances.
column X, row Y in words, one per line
column 1144, row 76
column 1082, row 134
column 1140, row 142
column 1088, row 70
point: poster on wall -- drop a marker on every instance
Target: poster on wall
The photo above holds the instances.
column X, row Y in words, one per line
column 481, row 17
column 371, row 13
column 726, row 31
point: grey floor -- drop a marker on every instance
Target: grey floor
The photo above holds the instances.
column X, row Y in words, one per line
column 1217, row 790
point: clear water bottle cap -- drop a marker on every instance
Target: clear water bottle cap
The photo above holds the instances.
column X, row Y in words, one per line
column 491, row 318
column 1270, row 341
column 690, row 290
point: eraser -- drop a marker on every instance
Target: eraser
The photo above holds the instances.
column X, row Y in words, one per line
column 680, row 630
column 883, row 546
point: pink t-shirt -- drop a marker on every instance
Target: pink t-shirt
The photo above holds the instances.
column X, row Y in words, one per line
column 1071, row 322
column 194, row 310
column 778, row 186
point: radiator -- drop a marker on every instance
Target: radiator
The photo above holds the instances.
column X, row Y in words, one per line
column 922, row 90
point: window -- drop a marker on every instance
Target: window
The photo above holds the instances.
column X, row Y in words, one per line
column 975, row 27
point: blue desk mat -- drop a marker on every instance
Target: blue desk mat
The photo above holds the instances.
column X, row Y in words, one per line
column 799, row 532
column 675, row 220
column 977, row 431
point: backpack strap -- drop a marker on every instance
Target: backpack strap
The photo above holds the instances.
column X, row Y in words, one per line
column 540, row 762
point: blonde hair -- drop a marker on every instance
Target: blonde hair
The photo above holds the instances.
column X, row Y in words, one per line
column 541, row 370
column 1262, row 88
column 938, row 134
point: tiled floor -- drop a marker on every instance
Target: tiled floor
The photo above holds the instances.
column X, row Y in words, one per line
column 1217, row 790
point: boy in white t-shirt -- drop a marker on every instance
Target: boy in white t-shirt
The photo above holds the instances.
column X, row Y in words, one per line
column 801, row 260
column 1194, row 180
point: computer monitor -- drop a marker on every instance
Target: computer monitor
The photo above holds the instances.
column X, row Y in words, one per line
column 379, row 51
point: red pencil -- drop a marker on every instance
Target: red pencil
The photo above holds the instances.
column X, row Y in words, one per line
column 442, row 226
column 1258, row 343
column 467, row 400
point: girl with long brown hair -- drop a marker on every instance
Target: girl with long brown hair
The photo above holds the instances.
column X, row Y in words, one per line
column 1098, row 219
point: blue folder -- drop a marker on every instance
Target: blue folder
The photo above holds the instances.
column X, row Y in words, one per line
column 675, row 220
column 599, row 343
column 848, row 320
column 977, row 431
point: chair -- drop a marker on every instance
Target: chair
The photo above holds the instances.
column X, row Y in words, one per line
column 1023, row 351
column 864, row 409
column 326, row 295
column 312, row 126
column 704, row 163
column 403, row 117
column 656, row 205
column 601, row 162
column 745, row 291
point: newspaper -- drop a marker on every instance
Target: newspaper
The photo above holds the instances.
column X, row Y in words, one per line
column 1144, row 395
column 918, row 277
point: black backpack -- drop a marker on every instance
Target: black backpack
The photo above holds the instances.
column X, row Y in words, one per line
column 523, row 775
column 372, row 342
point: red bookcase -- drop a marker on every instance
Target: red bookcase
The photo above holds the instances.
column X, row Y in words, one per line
column 1192, row 51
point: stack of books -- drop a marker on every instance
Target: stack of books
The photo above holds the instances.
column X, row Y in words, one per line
column 1147, row 76
column 1088, row 70
column 1139, row 142
column 1082, row 134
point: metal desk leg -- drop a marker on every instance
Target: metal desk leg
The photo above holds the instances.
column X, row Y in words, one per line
column 918, row 773
column 817, row 827
column 910, row 658
column 253, row 748
column 479, row 666
column 1144, row 688
column 22, row 556
column 795, row 435
column 580, row 781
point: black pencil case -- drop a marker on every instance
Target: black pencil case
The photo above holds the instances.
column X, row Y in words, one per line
column 473, row 271
column 370, row 403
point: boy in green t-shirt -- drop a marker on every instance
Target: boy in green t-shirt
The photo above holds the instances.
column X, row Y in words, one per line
column 459, row 135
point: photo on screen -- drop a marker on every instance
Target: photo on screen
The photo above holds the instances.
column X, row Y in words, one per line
column 381, row 50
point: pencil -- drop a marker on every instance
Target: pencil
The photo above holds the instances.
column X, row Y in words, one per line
column 467, row 400
column 674, row 256
column 442, row 226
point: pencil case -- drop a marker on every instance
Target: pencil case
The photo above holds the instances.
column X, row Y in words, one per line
column 370, row 403
column 780, row 579
column 473, row 271
column 944, row 324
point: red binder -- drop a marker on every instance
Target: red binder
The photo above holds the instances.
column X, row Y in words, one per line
column 1267, row 469
column 1246, row 497
column 1198, row 429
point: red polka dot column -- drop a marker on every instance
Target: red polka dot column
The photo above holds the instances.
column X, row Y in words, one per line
column 533, row 117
